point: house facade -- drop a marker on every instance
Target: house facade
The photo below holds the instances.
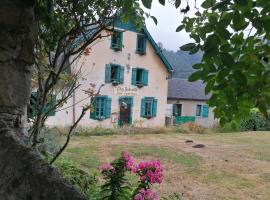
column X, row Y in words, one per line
column 134, row 74
column 187, row 102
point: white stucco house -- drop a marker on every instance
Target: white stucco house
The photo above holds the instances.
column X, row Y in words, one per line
column 135, row 74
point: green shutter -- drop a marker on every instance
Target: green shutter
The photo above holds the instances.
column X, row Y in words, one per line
column 141, row 44
column 143, row 107
column 145, row 77
column 133, row 76
column 107, row 109
column 154, row 108
column 93, row 108
column 107, row 73
column 205, row 111
column 120, row 40
column 121, row 74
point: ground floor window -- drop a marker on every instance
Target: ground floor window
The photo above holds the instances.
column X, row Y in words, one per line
column 148, row 107
column 100, row 108
column 202, row 110
column 34, row 106
column 177, row 110
column 199, row 110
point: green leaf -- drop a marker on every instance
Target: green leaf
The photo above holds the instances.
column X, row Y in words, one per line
column 226, row 19
column 154, row 19
column 177, row 3
column 209, row 86
column 212, row 19
column 195, row 76
column 224, row 33
column 227, row 59
column 208, row 3
column 211, row 43
column 239, row 22
column 188, row 47
column 180, row 28
column 198, row 66
column 162, row 2
column 147, row 3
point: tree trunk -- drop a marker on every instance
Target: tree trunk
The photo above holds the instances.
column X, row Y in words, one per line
column 23, row 174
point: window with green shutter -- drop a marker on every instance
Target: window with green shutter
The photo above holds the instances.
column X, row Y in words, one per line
column 141, row 44
column 101, row 108
column 33, row 108
column 139, row 77
column 116, row 40
column 148, row 107
column 205, row 111
column 198, row 110
column 114, row 74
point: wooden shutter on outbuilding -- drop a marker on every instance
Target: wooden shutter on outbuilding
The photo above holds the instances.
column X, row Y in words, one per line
column 205, row 110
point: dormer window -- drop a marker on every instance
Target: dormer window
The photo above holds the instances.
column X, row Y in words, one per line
column 141, row 44
column 116, row 41
column 139, row 77
column 114, row 74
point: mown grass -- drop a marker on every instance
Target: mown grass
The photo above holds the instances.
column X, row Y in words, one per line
column 187, row 159
column 231, row 166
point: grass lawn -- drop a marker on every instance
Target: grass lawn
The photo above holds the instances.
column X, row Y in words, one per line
column 230, row 166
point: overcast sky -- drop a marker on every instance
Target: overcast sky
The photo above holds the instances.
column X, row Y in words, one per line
column 169, row 19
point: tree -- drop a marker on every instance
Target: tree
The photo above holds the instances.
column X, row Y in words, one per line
column 234, row 36
column 23, row 174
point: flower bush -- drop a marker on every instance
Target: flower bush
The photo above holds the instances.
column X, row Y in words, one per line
column 116, row 186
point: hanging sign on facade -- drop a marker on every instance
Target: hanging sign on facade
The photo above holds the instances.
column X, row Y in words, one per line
column 126, row 91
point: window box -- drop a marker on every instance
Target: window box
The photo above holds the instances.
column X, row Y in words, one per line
column 139, row 77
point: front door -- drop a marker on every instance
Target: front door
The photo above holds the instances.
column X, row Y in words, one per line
column 125, row 113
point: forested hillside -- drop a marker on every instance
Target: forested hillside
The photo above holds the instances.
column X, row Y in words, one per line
column 182, row 62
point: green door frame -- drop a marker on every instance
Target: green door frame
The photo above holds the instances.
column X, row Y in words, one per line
column 121, row 98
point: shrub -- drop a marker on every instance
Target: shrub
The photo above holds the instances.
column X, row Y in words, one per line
column 86, row 183
column 255, row 122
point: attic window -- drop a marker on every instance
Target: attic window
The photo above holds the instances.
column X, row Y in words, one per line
column 141, row 44
column 116, row 40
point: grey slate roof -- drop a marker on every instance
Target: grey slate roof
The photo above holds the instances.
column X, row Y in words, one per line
column 183, row 89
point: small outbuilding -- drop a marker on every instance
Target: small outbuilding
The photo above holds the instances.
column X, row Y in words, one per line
column 187, row 102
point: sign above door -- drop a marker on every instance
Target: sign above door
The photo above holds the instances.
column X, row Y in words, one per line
column 126, row 91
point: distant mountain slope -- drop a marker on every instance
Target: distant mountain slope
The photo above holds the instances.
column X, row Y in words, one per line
column 182, row 62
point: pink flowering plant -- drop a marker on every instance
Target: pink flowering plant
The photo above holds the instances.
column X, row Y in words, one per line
column 116, row 186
